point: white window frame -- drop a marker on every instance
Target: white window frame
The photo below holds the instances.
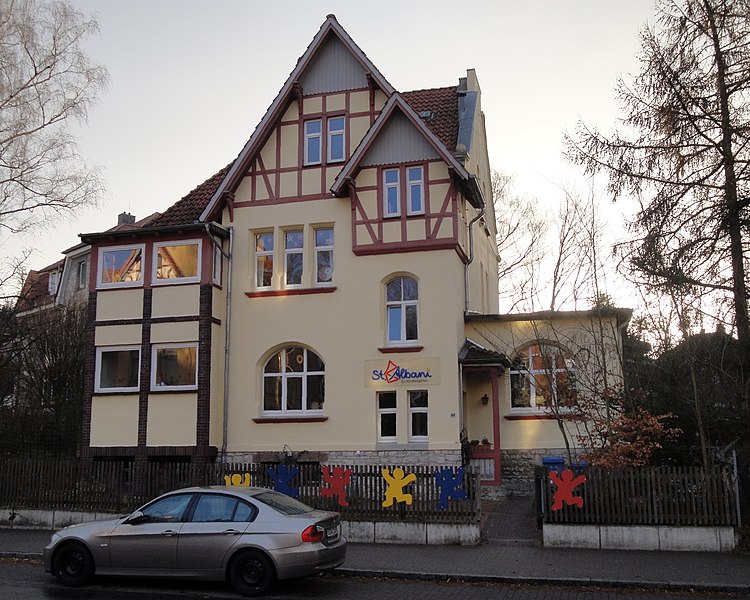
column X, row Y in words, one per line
column 98, row 369
column 165, row 388
column 388, row 186
column 285, row 376
column 119, row 284
column 402, row 304
column 290, row 251
column 310, row 136
column 53, row 282
column 82, row 272
column 176, row 280
column 410, row 210
column 218, row 264
column 529, row 372
column 259, row 253
column 414, row 410
column 388, row 439
column 323, row 248
column 333, row 133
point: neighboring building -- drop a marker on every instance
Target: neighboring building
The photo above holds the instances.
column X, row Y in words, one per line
column 333, row 290
column 39, row 290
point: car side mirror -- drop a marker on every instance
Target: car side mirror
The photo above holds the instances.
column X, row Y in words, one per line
column 136, row 517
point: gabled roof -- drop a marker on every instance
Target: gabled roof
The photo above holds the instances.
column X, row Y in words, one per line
column 330, row 27
column 35, row 290
column 397, row 103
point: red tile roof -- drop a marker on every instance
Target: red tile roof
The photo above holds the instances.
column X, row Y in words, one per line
column 443, row 104
column 35, row 290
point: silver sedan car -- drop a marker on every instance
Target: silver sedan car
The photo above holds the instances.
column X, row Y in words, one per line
column 248, row 536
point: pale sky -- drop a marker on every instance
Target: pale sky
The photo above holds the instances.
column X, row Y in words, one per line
column 191, row 79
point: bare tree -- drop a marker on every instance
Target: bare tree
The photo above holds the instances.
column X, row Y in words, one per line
column 520, row 234
column 46, row 82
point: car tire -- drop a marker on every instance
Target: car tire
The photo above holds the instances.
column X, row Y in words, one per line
column 252, row 573
column 73, row 565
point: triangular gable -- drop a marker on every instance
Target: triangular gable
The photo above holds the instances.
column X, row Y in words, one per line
column 398, row 142
column 330, row 27
column 397, row 105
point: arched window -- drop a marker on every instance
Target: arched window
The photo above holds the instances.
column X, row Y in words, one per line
column 542, row 376
column 294, row 381
column 402, row 310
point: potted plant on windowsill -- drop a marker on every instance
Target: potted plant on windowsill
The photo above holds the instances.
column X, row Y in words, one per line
column 481, row 449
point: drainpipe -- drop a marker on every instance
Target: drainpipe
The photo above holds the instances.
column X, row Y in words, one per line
column 482, row 210
column 227, row 329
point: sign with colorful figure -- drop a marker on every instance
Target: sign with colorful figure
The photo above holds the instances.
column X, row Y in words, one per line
column 282, row 476
column 239, row 479
column 449, row 482
column 337, row 479
column 396, row 484
column 565, row 484
column 392, row 372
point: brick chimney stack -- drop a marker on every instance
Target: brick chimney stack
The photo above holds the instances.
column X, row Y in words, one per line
column 125, row 218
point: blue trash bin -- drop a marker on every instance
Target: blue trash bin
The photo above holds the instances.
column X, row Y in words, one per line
column 554, row 463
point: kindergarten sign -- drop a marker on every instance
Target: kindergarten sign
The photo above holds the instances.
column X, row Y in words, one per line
column 391, row 372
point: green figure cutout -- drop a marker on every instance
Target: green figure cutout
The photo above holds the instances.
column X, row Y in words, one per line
column 396, row 484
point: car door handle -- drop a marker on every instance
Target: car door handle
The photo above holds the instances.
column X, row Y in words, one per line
column 230, row 532
column 168, row 532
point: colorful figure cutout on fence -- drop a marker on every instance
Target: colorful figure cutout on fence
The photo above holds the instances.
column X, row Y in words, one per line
column 239, row 479
column 337, row 479
column 282, row 476
column 396, row 484
column 449, row 484
column 565, row 486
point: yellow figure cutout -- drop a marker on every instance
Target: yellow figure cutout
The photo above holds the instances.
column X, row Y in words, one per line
column 237, row 479
column 396, row 484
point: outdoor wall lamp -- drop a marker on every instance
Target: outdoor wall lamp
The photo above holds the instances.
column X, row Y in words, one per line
column 485, row 400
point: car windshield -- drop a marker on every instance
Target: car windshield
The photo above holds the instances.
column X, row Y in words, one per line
column 283, row 504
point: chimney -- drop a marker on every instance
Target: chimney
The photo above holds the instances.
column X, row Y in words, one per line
column 125, row 218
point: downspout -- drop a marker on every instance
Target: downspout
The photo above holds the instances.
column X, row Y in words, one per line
column 481, row 213
column 227, row 329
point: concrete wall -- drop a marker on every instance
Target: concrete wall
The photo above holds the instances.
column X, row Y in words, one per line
column 640, row 537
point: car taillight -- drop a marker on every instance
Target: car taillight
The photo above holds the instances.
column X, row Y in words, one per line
column 314, row 533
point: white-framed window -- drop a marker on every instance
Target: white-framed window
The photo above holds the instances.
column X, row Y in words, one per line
column 542, row 377
column 415, row 190
column 177, row 262
column 52, row 281
column 391, row 193
column 82, row 273
column 117, row 369
column 174, row 366
column 323, row 255
column 313, row 139
column 336, row 139
column 218, row 265
column 387, row 416
column 402, row 310
column 418, row 418
column 263, row 259
column 294, row 382
column 293, row 256
column 120, row 266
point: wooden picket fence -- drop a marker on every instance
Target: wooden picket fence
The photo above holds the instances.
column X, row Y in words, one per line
column 646, row 496
column 121, row 486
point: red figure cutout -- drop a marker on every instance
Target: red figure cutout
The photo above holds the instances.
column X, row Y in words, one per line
column 565, row 487
column 338, row 480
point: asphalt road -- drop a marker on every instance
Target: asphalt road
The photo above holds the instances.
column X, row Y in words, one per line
column 21, row 580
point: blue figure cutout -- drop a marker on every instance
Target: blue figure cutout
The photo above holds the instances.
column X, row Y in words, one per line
column 282, row 476
column 448, row 482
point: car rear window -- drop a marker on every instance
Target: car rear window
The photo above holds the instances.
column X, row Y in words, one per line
column 286, row 505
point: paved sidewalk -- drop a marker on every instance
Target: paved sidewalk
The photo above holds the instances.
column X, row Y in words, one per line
column 515, row 561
